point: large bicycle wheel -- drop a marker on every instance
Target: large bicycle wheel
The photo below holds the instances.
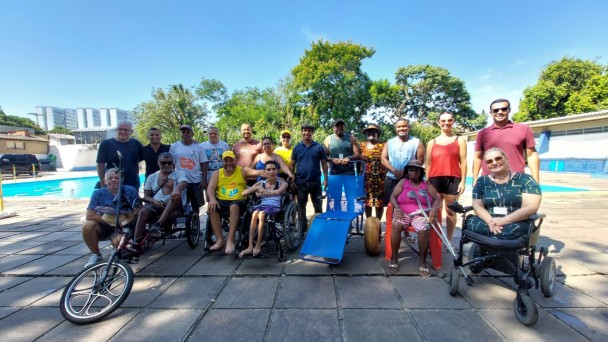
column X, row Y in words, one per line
column 293, row 226
column 193, row 229
column 86, row 299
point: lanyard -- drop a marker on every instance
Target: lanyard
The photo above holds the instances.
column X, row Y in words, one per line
column 500, row 197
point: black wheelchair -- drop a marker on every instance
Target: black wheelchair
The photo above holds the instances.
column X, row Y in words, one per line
column 516, row 258
column 285, row 228
column 185, row 222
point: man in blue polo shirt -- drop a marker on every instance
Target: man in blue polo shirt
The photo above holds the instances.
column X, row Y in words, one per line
column 307, row 158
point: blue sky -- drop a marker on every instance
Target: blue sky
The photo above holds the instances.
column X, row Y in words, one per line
column 111, row 53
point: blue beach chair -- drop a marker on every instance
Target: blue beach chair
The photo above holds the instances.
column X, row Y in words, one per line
column 329, row 231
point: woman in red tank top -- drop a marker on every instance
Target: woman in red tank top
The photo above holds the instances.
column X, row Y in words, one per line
column 446, row 162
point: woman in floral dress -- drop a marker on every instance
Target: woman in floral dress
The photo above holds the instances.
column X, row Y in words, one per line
column 375, row 173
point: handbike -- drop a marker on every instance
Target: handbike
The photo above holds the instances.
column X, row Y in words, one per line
column 98, row 290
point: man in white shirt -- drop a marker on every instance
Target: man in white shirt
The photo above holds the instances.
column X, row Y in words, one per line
column 164, row 194
column 191, row 159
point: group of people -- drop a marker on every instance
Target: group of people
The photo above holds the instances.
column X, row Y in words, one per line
column 394, row 174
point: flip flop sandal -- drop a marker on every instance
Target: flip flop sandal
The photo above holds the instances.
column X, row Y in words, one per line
column 392, row 268
column 424, row 271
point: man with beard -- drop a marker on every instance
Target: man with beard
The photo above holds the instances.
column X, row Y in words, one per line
column 512, row 138
column 341, row 148
column 225, row 193
column 153, row 150
column 397, row 152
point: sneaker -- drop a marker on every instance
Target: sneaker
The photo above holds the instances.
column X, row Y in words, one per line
column 95, row 258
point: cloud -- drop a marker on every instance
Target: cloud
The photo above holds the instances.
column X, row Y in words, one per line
column 313, row 36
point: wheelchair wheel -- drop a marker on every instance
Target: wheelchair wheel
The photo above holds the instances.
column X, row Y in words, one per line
column 474, row 253
column 371, row 236
column 84, row 300
column 193, row 229
column 454, row 281
column 293, row 226
column 547, row 277
column 525, row 310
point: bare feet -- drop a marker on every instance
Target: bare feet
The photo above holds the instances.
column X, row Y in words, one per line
column 229, row 247
column 217, row 246
column 247, row 251
column 257, row 250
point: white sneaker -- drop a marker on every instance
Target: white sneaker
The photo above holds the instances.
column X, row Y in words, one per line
column 93, row 260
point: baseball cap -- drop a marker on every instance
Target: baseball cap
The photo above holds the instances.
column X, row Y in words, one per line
column 228, row 154
column 186, row 127
column 337, row 121
column 286, row 132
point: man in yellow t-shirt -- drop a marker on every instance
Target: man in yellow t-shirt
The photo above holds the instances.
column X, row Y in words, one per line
column 225, row 193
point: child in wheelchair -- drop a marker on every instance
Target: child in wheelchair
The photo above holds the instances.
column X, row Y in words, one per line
column 270, row 191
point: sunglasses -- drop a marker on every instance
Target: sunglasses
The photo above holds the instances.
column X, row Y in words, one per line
column 285, row 137
column 166, row 163
column 503, row 109
column 495, row 160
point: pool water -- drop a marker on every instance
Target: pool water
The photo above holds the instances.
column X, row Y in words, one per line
column 81, row 187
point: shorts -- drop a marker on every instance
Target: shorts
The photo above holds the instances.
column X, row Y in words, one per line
column 445, row 184
column 418, row 222
column 107, row 231
column 389, row 185
column 267, row 209
column 225, row 205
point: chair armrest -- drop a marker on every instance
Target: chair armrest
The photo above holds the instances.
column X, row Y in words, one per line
column 537, row 216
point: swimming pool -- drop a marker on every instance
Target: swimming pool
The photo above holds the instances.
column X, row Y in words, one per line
column 82, row 187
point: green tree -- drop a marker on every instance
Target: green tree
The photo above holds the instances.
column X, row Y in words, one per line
column 168, row 110
column 564, row 87
column 260, row 108
column 13, row 120
column 423, row 92
column 61, row 130
column 331, row 83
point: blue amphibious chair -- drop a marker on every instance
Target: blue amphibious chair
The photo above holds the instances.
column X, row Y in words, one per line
column 329, row 231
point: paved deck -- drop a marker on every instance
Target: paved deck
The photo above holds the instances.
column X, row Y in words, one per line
column 183, row 294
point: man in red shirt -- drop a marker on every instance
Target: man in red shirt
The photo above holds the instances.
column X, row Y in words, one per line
column 513, row 138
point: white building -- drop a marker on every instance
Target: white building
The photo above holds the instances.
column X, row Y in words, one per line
column 54, row 116
column 88, row 117
column 81, row 118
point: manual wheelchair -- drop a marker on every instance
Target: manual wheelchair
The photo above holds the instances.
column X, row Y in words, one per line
column 185, row 222
column 513, row 257
column 284, row 228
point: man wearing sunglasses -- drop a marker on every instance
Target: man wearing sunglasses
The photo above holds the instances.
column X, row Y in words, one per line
column 164, row 194
column 512, row 138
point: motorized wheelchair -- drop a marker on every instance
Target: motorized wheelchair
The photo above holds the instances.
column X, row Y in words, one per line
column 513, row 257
column 284, row 228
